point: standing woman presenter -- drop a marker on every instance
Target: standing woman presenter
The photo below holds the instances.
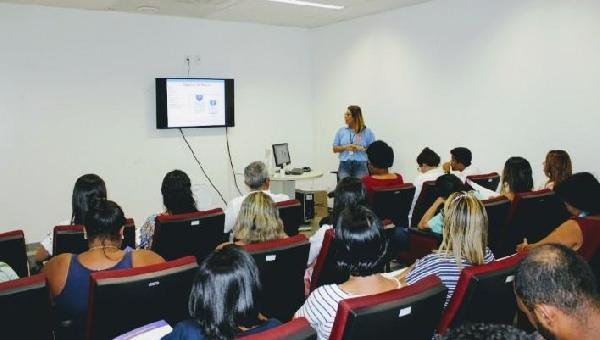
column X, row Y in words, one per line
column 351, row 142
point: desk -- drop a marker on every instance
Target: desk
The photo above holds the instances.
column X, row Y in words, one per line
column 286, row 184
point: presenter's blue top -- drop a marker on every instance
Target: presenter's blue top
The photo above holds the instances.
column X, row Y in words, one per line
column 346, row 135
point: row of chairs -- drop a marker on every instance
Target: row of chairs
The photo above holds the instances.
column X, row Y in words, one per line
column 175, row 236
column 532, row 215
column 121, row 300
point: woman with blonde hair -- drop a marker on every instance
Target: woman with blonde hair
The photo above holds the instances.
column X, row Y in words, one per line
column 464, row 242
column 351, row 142
column 258, row 220
column 557, row 167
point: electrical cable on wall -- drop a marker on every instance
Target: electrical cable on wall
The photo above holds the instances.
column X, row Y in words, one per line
column 201, row 167
column 231, row 162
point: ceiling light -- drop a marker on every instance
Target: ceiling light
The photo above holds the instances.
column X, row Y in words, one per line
column 308, row 3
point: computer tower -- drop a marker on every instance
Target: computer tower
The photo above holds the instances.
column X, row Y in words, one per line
column 307, row 200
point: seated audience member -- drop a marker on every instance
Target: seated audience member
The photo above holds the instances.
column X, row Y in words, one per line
column 487, row 331
column 7, row 273
column 464, row 242
column 223, row 300
column 557, row 167
column 516, row 178
column 581, row 194
column 69, row 274
column 88, row 188
column 256, row 178
column 349, row 192
column 445, row 186
column 258, row 220
column 176, row 190
column 557, row 291
column 381, row 158
column 362, row 255
column 460, row 164
column 428, row 166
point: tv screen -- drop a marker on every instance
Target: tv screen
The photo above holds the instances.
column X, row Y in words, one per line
column 194, row 102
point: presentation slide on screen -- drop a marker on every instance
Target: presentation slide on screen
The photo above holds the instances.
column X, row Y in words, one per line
column 195, row 102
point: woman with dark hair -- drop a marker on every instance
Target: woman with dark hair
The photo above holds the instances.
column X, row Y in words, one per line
column 349, row 192
column 516, row 178
column 581, row 195
column 351, row 142
column 223, row 300
column 362, row 253
column 178, row 198
column 87, row 189
column 69, row 274
column 557, row 167
column 381, row 158
column 445, row 186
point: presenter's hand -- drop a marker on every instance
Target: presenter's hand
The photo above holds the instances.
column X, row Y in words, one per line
column 359, row 148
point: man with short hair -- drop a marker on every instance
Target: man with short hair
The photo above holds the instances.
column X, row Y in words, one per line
column 557, row 291
column 256, row 177
column 428, row 162
column 460, row 164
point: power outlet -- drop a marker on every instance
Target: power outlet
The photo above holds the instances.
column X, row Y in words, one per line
column 193, row 59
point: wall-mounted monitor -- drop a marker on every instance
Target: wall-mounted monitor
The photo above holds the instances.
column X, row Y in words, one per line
column 194, row 103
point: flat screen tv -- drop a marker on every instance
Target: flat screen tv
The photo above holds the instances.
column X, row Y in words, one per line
column 194, row 103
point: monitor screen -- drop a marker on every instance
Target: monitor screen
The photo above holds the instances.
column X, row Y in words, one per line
column 281, row 154
column 194, row 102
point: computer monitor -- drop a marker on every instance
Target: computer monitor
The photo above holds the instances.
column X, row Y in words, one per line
column 281, row 154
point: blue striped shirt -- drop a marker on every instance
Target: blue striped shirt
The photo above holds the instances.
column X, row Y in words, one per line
column 445, row 267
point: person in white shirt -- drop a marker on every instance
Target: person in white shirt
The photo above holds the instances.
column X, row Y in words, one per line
column 460, row 164
column 428, row 166
column 256, row 177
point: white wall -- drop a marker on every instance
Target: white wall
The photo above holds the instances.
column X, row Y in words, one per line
column 504, row 78
column 77, row 96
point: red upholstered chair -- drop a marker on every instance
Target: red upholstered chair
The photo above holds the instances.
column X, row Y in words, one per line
column 326, row 270
column 393, row 203
column 196, row 234
column 123, row 299
column 411, row 312
column 291, row 214
column 297, row 329
column 488, row 181
column 420, row 243
column 497, row 209
column 25, row 308
column 13, row 252
column 69, row 238
column 483, row 294
column 281, row 264
column 426, row 198
column 534, row 215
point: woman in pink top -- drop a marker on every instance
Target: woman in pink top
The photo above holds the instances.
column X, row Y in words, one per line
column 581, row 193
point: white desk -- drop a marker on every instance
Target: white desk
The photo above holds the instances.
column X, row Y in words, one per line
column 286, row 184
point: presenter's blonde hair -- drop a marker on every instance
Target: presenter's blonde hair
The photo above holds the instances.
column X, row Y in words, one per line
column 258, row 220
column 359, row 121
column 465, row 229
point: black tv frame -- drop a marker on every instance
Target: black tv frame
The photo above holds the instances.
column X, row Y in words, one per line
column 161, row 103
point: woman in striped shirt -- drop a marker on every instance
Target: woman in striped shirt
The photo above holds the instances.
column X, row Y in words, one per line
column 362, row 252
column 464, row 242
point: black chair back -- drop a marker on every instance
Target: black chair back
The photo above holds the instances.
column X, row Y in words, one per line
column 195, row 234
column 291, row 214
column 125, row 299
column 426, row 198
column 497, row 210
column 393, row 203
column 69, row 238
column 281, row 264
column 13, row 251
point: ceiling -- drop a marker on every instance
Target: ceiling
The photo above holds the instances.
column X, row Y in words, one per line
column 257, row 11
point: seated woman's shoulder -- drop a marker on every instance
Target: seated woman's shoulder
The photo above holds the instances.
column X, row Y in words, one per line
column 144, row 257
